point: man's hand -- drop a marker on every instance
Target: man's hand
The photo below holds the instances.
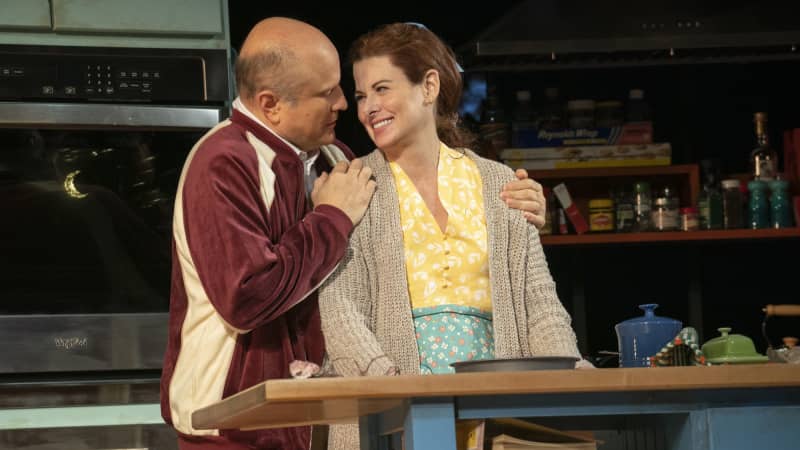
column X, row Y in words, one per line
column 527, row 196
column 347, row 187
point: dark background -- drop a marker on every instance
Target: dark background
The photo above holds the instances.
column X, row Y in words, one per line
column 455, row 22
column 703, row 110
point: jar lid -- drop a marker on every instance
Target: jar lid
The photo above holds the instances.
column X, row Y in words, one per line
column 665, row 201
column 523, row 96
column 601, row 203
column 580, row 104
column 730, row 183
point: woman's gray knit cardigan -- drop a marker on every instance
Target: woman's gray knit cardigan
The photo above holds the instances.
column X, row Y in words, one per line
column 366, row 310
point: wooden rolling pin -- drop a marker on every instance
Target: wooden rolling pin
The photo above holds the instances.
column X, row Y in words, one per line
column 782, row 310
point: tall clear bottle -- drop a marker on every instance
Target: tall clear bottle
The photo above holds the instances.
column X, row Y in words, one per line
column 763, row 158
column 642, row 205
column 710, row 202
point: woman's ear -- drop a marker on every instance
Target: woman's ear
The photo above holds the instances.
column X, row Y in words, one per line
column 430, row 86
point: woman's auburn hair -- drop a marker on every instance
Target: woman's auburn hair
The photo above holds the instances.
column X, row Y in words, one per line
column 415, row 50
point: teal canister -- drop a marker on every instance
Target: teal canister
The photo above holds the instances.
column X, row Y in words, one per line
column 780, row 208
column 758, row 206
column 642, row 337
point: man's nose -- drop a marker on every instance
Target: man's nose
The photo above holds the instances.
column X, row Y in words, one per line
column 341, row 101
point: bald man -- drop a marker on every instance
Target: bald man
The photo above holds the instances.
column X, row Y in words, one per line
column 249, row 250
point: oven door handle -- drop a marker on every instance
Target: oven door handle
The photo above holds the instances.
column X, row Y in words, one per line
column 100, row 116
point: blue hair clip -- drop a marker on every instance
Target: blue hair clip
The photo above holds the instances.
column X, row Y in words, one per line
column 419, row 25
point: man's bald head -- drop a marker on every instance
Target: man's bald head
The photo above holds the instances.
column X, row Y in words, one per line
column 274, row 54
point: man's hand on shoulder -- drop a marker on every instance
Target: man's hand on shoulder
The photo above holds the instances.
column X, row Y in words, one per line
column 348, row 187
column 526, row 195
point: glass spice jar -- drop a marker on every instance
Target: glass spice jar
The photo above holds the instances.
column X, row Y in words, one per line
column 732, row 214
column 601, row 215
column 690, row 219
column 665, row 211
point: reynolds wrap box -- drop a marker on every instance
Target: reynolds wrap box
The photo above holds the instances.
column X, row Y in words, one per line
column 586, row 152
column 587, row 156
column 629, row 133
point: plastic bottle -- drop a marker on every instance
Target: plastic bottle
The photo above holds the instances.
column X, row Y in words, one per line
column 551, row 114
column 780, row 207
column 637, row 109
column 710, row 202
column 522, row 123
column 758, row 209
column 494, row 127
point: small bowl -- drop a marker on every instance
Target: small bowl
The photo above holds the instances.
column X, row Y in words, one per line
column 516, row 364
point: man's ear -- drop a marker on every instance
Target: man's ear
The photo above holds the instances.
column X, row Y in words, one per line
column 430, row 86
column 270, row 105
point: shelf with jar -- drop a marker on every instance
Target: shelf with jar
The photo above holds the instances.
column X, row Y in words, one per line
column 605, row 186
column 669, row 236
column 592, row 186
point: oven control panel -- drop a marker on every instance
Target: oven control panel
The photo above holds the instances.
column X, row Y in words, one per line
column 107, row 77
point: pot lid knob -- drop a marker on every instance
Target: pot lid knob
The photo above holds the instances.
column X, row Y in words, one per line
column 649, row 309
column 724, row 331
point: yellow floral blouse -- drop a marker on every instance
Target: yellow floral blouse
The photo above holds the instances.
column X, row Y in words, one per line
column 448, row 273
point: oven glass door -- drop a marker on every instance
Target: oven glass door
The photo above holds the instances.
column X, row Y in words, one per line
column 86, row 241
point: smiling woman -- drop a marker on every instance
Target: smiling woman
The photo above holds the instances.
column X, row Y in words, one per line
column 469, row 281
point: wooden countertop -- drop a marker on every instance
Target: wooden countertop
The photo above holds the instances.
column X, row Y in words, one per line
column 280, row 403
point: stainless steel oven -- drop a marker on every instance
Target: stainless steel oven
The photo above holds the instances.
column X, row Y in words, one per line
column 92, row 141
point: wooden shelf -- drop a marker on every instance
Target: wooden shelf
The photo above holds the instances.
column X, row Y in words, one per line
column 668, row 236
column 585, row 184
column 603, row 172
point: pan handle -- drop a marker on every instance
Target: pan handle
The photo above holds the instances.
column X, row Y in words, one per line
column 782, row 310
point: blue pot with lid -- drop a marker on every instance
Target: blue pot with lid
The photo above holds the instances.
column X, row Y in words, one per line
column 642, row 337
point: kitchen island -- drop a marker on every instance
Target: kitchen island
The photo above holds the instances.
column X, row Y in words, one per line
column 719, row 407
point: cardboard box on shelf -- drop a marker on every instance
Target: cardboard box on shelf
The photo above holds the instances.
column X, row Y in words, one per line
column 526, row 135
column 571, row 209
column 546, row 164
column 588, row 152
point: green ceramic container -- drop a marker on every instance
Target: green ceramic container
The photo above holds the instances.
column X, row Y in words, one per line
column 731, row 349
